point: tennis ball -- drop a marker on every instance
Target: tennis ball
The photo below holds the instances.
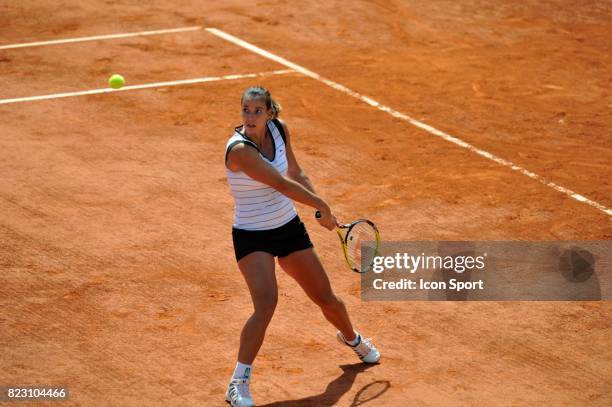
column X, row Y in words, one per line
column 116, row 81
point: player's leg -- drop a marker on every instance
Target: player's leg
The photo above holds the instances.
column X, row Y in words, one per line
column 305, row 267
column 258, row 271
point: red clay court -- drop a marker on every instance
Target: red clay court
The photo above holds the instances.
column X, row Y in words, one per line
column 438, row 120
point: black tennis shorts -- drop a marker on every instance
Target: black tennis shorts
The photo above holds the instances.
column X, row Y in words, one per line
column 279, row 242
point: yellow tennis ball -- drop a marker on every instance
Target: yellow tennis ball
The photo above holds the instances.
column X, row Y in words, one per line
column 116, row 81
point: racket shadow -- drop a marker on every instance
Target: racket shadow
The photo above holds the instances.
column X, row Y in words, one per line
column 370, row 392
column 334, row 390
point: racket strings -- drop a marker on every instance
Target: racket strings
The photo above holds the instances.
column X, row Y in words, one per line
column 360, row 234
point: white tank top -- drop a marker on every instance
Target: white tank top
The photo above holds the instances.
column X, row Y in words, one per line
column 258, row 206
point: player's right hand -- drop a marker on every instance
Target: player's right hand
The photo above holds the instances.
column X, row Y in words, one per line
column 326, row 218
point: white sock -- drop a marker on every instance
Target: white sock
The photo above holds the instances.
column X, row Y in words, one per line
column 242, row 371
column 355, row 341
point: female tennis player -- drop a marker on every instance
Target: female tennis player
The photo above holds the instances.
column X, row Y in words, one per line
column 265, row 178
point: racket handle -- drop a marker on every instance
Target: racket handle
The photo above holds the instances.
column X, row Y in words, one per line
column 317, row 214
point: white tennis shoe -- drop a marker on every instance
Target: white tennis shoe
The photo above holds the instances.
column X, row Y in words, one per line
column 238, row 393
column 366, row 351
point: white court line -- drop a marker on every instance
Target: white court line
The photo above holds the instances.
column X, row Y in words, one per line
column 145, row 86
column 402, row 116
column 101, row 37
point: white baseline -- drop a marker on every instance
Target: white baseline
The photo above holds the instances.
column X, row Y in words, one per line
column 101, row 37
column 402, row 116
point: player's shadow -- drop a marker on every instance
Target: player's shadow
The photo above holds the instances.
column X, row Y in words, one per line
column 336, row 389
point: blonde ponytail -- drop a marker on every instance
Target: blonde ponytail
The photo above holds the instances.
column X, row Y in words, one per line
column 276, row 108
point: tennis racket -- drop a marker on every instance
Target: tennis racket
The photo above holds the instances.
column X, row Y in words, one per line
column 352, row 236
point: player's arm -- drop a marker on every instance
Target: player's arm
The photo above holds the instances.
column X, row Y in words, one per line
column 246, row 159
column 294, row 171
